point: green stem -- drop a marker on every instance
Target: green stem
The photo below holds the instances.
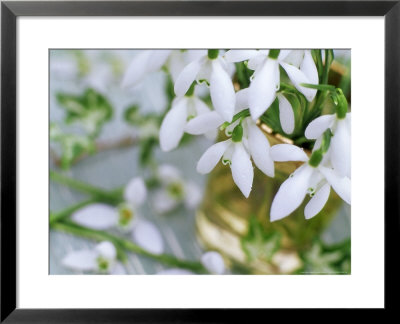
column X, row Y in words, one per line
column 73, row 228
column 55, row 217
column 109, row 196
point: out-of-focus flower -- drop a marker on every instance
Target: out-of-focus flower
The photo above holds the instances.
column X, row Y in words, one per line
column 213, row 69
column 173, row 126
column 144, row 63
column 316, row 181
column 102, row 259
column 213, row 262
column 174, row 190
column 298, row 64
column 125, row 217
column 150, row 61
column 340, row 148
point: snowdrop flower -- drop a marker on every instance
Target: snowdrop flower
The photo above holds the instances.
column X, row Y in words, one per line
column 317, row 181
column 173, row 125
column 174, row 190
column 102, row 216
column 101, row 259
column 298, row 64
column 143, row 63
column 212, row 68
column 340, row 148
column 125, row 217
column 247, row 140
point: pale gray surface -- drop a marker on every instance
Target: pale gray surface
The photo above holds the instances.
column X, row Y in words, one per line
column 112, row 169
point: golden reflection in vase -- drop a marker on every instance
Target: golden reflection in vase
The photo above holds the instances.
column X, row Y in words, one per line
column 224, row 219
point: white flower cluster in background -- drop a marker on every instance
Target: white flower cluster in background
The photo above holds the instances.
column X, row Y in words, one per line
column 237, row 111
column 125, row 217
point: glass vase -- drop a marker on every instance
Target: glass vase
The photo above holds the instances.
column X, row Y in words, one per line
column 240, row 228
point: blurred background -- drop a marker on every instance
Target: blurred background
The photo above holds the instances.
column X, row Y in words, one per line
column 107, row 150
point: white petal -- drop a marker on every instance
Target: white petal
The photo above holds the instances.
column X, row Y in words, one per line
column 204, row 123
column 205, row 72
column 107, row 250
column 308, row 68
column 283, row 54
column 135, row 191
column 287, row 152
column 176, row 64
column 193, row 195
column 240, row 55
column 286, row 114
column 186, row 77
column 342, row 185
column 255, row 62
column 262, row 90
column 200, row 106
column 317, row 202
column 137, row 70
column 168, row 173
column 163, row 202
column 259, row 150
column 118, row 269
column 294, row 57
column 172, row 127
column 222, row 91
column 318, row 126
column 213, row 262
column 97, row 216
column 147, row 235
column 341, row 149
column 291, row 193
column 242, row 100
column 157, row 59
column 242, row 169
column 175, row 271
column 211, row 157
column 84, row 260
column 298, row 77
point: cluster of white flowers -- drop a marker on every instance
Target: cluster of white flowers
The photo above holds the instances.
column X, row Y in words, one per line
column 329, row 164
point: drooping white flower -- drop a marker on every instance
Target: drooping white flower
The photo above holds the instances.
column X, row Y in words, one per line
column 143, row 63
column 173, row 125
column 316, row 181
column 174, row 190
column 298, row 64
column 125, row 217
column 101, row 259
column 340, row 147
column 236, row 154
column 215, row 72
column 210, row 121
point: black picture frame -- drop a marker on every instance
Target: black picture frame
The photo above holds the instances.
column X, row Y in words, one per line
column 10, row 11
